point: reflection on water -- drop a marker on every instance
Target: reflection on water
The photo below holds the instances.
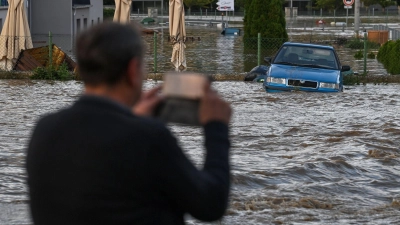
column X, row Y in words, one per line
column 311, row 158
column 226, row 51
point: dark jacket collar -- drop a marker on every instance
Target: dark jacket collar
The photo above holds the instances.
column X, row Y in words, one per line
column 103, row 103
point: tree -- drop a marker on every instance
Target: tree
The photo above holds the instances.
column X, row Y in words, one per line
column 386, row 3
column 239, row 4
column 266, row 18
column 383, row 3
column 328, row 4
column 199, row 3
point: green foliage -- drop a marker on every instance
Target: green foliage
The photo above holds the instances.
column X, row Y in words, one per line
column 351, row 79
column 371, row 55
column 108, row 13
column 328, row 4
column 389, row 56
column 199, row 3
column 13, row 74
column 386, row 3
column 383, row 3
column 265, row 17
column 239, row 4
column 359, row 55
column 358, row 43
column 52, row 73
column 383, row 52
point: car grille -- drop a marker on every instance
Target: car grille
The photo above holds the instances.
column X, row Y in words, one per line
column 302, row 83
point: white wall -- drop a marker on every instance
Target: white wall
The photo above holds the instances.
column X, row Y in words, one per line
column 51, row 15
column 96, row 11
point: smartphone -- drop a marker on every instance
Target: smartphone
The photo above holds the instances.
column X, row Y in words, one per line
column 182, row 93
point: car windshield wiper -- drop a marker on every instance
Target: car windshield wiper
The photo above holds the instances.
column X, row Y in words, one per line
column 287, row 63
column 316, row 66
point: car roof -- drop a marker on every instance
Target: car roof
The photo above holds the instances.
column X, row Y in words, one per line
column 308, row 45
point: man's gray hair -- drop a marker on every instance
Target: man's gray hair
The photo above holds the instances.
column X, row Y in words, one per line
column 105, row 50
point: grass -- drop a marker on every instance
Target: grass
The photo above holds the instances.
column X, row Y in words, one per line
column 14, row 75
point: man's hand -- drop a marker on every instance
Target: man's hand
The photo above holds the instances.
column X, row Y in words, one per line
column 213, row 107
column 148, row 102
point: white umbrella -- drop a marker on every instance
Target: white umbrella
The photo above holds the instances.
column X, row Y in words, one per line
column 15, row 35
column 177, row 32
column 122, row 11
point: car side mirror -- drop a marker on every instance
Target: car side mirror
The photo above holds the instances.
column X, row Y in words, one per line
column 345, row 68
column 268, row 60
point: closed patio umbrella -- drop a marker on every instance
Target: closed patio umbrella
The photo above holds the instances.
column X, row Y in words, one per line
column 15, row 35
column 122, row 11
column 177, row 32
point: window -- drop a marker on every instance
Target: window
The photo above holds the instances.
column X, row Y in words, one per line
column 84, row 23
column 81, row 2
column 3, row 3
column 78, row 25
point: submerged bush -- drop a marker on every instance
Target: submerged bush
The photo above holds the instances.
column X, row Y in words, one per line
column 108, row 13
column 358, row 43
column 359, row 55
column 389, row 56
column 371, row 55
column 52, row 73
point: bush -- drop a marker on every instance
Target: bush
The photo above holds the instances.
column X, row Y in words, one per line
column 108, row 13
column 359, row 55
column 266, row 18
column 52, row 73
column 389, row 56
column 351, row 79
column 371, row 55
column 358, row 43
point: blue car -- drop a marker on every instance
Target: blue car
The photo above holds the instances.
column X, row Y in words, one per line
column 305, row 67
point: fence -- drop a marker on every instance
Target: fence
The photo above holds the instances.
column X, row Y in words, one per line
column 394, row 33
column 10, row 45
column 216, row 55
column 231, row 55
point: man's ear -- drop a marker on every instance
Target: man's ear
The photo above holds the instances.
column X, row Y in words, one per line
column 133, row 72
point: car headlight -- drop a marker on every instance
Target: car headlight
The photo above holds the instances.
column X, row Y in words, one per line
column 329, row 85
column 276, row 80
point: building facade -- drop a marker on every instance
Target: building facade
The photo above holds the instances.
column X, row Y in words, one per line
column 63, row 18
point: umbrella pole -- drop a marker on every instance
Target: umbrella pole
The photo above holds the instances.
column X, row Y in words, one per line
column 50, row 50
column 155, row 52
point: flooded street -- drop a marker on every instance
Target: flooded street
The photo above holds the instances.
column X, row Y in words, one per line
column 297, row 158
column 208, row 51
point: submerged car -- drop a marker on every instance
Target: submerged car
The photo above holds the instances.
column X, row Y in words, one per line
column 257, row 74
column 305, row 67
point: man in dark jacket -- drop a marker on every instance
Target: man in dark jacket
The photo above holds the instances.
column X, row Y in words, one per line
column 104, row 160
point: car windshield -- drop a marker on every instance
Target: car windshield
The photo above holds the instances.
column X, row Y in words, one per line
column 306, row 56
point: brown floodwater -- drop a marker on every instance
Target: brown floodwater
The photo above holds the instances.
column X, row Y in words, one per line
column 297, row 158
column 208, row 51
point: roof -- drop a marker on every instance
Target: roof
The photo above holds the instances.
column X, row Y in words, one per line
column 309, row 45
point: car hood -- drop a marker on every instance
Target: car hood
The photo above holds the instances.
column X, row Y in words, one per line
column 304, row 73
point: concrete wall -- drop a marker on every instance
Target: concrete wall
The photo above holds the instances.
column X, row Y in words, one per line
column 51, row 15
column 82, row 19
column 96, row 11
column 3, row 14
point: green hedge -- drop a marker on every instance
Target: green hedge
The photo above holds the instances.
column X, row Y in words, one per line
column 358, row 43
column 108, row 13
column 389, row 56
